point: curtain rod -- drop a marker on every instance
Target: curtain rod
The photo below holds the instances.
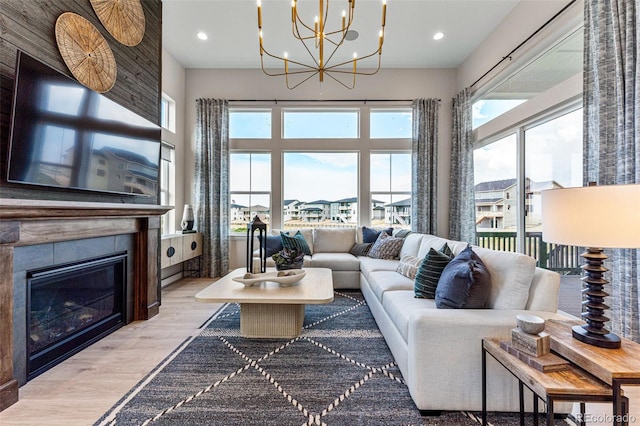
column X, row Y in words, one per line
column 323, row 100
column 504, row 58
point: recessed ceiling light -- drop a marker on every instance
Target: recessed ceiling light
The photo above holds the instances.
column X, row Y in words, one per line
column 439, row 35
column 202, row 36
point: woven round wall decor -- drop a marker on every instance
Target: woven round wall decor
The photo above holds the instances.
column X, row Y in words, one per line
column 124, row 19
column 86, row 52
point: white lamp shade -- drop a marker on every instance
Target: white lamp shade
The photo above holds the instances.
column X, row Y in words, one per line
column 592, row 216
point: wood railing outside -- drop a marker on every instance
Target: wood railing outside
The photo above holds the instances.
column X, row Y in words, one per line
column 555, row 257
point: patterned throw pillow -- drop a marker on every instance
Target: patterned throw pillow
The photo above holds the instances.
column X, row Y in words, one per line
column 360, row 249
column 408, row 266
column 447, row 250
column 297, row 241
column 386, row 247
column 402, row 233
column 465, row 282
column 428, row 274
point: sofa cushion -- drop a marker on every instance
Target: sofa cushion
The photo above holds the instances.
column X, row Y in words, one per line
column 296, row 241
column 401, row 306
column 428, row 274
column 360, row 249
column 335, row 261
column 511, row 277
column 386, row 247
column 385, row 281
column 333, row 240
column 369, row 265
column 465, row 283
column 408, row 266
column 411, row 245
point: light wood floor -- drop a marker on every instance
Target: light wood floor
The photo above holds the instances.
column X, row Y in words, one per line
column 81, row 389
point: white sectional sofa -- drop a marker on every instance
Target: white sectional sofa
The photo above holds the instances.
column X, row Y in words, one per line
column 438, row 351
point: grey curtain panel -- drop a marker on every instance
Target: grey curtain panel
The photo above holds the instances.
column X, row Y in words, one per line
column 212, row 184
column 612, row 132
column 462, row 216
column 424, row 165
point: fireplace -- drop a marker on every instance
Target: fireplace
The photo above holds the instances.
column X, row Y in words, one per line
column 71, row 306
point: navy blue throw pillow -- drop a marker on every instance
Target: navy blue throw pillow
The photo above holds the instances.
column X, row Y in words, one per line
column 370, row 235
column 274, row 244
column 465, row 282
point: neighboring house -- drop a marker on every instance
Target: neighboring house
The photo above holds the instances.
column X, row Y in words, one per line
column 291, row 210
column 237, row 212
column 399, row 213
column 496, row 203
column 345, row 210
column 315, row 211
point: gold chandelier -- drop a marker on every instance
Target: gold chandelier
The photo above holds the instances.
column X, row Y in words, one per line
column 316, row 37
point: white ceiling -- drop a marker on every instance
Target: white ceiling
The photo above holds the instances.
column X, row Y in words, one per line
column 233, row 30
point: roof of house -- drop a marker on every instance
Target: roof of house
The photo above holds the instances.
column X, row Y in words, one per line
column 401, row 203
column 495, row 185
column 348, row 200
column 319, row 202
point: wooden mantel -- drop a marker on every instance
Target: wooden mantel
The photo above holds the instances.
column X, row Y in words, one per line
column 31, row 222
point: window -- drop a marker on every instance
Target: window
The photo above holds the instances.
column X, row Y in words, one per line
column 168, row 113
column 167, row 186
column 391, row 189
column 390, row 123
column 250, row 189
column 555, row 65
column 250, row 124
column 320, row 189
column 101, row 172
column 316, row 124
column 495, row 186
column 318, row 159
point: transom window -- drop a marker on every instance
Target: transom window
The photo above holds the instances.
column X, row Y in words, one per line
column 319, row 124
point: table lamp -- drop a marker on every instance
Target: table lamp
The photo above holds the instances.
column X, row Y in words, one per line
column 595, row 217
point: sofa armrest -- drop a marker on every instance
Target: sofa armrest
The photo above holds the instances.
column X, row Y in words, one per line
column 445, row 346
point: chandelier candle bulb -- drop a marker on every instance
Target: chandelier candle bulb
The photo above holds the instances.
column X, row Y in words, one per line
column 259, row 14
column 293, row 10
column 344, row 22
column 384, row 12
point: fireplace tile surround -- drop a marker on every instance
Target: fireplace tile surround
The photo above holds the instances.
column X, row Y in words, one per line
column 37, row 234
column 27, row 258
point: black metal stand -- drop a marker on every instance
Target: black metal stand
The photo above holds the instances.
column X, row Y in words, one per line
column 257, row 225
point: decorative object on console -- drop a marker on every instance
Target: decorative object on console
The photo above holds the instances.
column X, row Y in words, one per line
column 530, row 324
column 289, row 258
column 595, row 217
column 284, row 278
column 257, row 225
column 317, row 35
column 85, row 52
column 124, row 19
column 187, row 219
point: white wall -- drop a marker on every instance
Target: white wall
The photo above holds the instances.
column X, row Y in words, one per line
column 173, row 84
column 390, row 84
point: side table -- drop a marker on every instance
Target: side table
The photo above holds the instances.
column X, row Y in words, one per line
column 573, row 384
column 615, row 367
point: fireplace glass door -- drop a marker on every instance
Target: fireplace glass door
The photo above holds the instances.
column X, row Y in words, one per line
column 72, row 306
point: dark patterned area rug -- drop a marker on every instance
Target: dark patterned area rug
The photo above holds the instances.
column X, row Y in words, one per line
column 339, row 371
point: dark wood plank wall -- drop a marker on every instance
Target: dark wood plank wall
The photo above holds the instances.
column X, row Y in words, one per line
column 29, row 25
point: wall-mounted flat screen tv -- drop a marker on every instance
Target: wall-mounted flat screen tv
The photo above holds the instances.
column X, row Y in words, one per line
column 66, row 135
